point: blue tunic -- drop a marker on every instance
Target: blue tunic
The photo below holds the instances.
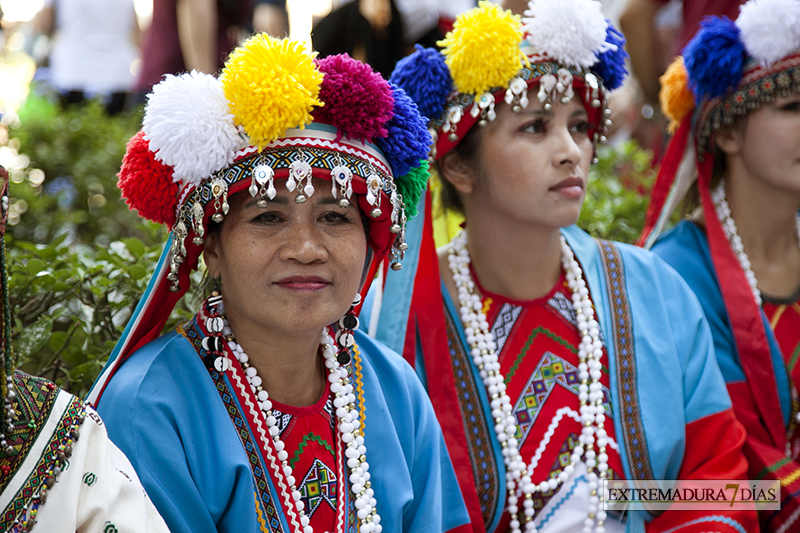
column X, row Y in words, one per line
column 664, row 381
column 685, row 247
column 164, row 410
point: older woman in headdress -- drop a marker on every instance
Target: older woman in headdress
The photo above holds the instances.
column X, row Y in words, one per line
column 268, row 411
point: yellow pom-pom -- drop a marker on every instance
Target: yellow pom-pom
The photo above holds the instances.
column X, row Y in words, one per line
column 271, row 85
column 677, row 99
column 483, row 50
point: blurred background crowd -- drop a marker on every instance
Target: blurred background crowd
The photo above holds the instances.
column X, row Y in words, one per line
column 74, row 75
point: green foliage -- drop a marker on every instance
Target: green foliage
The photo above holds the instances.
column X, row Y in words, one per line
column 71, row 304
column 63, row 165
column 618, row 193
column 78, row 259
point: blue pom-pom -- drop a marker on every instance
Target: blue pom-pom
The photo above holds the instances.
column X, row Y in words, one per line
column 714, row 58
column 610, row 64
column 408, row 140
column 426, row 79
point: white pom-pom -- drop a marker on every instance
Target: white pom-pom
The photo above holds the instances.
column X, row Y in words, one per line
column 770, row 28
column 189, row 126
column 572, row 32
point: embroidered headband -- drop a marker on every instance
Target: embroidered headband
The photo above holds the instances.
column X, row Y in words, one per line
column 566, row 47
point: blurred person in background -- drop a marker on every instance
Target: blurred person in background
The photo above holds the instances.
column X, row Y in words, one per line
column 733, row 168
column 190, row 35
column 638, row 23
column 654, row 38
column 94, row 45
column 378, row 32
column 270, row 16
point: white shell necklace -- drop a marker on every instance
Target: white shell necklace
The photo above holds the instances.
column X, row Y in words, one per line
column 484, row 355
column 732, row 233
column 350, row 432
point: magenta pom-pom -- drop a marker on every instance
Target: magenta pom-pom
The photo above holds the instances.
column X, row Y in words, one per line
column 357, row 100
column 146, row 183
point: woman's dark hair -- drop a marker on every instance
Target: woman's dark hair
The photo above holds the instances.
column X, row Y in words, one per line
column 467, row 150
column 691, row 202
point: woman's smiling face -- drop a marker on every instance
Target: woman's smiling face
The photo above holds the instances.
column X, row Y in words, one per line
column 288, row 267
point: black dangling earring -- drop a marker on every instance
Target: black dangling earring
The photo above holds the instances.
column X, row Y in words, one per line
column 214, row 344
column 344, row 337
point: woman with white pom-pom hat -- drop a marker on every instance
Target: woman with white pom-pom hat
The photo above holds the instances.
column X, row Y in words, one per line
column 555, row 362
column 268, row 411
column 734, row 99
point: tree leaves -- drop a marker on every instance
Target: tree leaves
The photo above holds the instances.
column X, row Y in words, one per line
column 34, row 337
column 618, row 193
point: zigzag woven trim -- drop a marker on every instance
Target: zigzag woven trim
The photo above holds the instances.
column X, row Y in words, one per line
column 630, row 416
column 757, row 87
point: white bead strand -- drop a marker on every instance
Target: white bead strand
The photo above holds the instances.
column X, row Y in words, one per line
column 484, row 355
column 350, row 434
column 732, row 233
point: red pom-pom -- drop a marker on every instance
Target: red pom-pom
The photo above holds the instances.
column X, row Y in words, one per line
column 357, row 100
column 146, row 183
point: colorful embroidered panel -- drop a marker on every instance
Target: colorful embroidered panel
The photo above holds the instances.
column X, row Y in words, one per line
column 479, row 440
column 785, row 321
column 318, row 486
column 552, row 371
column 310, row 438
column 539, row 360
column 193, row 334
column 631, row 424
column 36, row 398
column 784, row 318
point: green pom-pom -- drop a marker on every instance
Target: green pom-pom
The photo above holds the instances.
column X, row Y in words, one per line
column 412, row 184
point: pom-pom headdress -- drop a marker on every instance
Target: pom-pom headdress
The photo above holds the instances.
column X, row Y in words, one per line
column 730, row 69
column 146, row 183
column 570, row 32
column 275, row 117
column 482, row 51
column 346, row 81
column 274, row 113
column 424, row 76
column 271, row 85
column 567, row 47
column 189, row 126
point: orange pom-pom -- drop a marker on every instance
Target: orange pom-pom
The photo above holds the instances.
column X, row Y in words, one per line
column 146, row 183
column 676, row 98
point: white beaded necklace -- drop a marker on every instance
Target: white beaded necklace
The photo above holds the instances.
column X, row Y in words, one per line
column 350, row 432
column 732, row 233
column 484, row 355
